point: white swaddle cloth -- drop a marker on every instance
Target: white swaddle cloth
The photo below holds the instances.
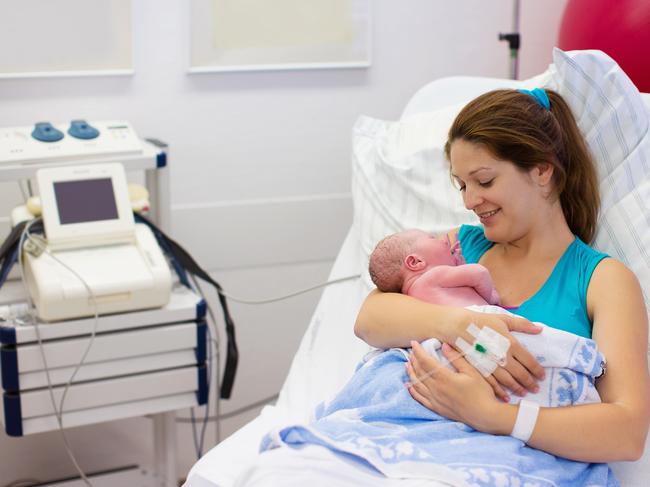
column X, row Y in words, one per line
column 571, row 363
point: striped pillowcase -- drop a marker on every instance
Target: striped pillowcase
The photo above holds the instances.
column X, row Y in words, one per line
column 614, row 119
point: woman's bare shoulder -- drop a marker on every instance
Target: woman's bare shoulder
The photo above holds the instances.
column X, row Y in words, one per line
column 611, row 268
column 613, row 284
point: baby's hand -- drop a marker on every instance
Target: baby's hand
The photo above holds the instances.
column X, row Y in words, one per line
column 494, row 297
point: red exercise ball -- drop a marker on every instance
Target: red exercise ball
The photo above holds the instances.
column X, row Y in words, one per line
column 621, row 28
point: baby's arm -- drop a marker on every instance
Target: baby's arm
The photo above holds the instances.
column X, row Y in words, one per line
column 480, row 279
column 467, row 275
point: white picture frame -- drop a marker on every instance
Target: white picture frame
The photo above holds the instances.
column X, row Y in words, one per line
column 65, row 38
column 258, row 35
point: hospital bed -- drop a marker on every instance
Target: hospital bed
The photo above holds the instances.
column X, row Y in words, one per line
column 314, row 376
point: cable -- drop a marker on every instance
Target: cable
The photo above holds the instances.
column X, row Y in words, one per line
column 185, row 264
column 199, row 442
column 217, row 403
column 22, row 190
column 23, row 483
column 57, row 412
column 218, row 416
column 214, row 341
column 280, row 298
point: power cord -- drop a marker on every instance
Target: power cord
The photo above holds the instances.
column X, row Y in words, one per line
column 200, row 440
column 58, row 412
column 212, row 342
column 218, row 416
column 23, row 483
column 22, row 191
column 291, row 295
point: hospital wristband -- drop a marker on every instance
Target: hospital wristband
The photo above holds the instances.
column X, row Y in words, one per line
column 526, row 419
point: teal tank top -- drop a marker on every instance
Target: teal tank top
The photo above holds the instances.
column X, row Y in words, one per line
column 561, row 302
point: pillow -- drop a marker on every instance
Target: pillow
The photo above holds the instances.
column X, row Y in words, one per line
column 400, row 177
column 614, row 120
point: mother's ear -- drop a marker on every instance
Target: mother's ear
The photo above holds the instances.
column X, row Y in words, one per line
column 413, row 262
column 543, row 173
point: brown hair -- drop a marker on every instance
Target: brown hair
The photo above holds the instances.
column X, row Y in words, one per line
column 514, row 127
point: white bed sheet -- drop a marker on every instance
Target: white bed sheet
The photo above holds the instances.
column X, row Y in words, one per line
column 313, row 376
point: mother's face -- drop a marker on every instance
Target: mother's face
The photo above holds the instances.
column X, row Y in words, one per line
column 505, row 198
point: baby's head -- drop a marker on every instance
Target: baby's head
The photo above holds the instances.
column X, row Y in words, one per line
column 409, row 252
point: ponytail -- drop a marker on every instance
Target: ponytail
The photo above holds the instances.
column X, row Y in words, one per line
column 580, row 197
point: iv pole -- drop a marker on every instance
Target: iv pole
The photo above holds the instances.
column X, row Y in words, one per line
column 514, row 41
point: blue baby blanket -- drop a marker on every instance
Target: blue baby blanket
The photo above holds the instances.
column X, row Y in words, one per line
column 375, row 420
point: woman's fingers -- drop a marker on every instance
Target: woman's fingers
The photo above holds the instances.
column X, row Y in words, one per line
column 522, row 377
column 415, row 394
column 531, row 365
column 517, row 323
column 462, row 365
column 415, row 382
column 506, row 380
column 459, row 363
column 498, row 390
column 423, row 363
column 418, row 389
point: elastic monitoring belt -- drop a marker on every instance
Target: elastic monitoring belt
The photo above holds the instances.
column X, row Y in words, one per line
column 182, row 262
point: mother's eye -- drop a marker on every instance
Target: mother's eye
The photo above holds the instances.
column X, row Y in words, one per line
column 486, row 184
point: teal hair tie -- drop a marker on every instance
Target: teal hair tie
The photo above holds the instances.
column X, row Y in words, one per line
column 540, row 97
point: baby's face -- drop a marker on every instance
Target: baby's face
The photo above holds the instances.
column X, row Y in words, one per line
column 433, row 250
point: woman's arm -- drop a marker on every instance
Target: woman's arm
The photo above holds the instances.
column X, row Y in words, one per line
column 617, row 428
column 611, row 431
column 393, row 320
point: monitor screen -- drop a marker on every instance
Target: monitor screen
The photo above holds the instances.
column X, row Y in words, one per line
column 86, row 200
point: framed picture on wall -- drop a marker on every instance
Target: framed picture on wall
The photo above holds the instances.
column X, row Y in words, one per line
column 65, row 38
column 250, row 35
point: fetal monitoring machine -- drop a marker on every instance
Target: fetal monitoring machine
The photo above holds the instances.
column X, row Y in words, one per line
column 94, row 259
column 90, row 229
column 103, row 331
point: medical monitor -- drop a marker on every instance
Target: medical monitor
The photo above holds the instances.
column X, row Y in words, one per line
column 85, row 205
column 86, row 200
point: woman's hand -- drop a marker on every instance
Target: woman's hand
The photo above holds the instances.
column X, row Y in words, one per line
column 461, row 396
column 521, row 371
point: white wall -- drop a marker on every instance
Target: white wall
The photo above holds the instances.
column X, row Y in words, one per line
column 260, row 172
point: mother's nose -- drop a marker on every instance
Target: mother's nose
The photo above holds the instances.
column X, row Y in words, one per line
column 472, row 198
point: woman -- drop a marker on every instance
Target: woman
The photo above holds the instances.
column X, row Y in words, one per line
column 523, row 167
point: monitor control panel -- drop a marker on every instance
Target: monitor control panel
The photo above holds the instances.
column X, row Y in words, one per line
column 74, row 140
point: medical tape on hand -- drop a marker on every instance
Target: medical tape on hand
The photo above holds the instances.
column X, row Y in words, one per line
column 488, row 351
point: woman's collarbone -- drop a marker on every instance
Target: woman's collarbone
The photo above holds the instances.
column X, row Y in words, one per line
column 517, row 282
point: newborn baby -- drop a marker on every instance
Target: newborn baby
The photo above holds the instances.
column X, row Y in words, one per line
column 429, row 268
